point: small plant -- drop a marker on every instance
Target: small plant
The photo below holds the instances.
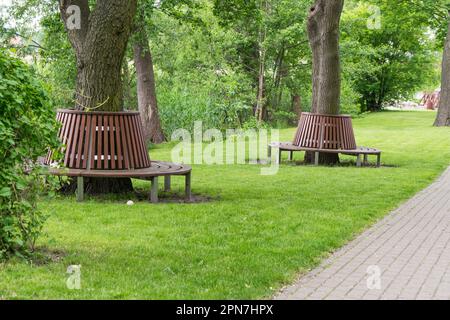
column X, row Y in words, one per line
column 253, row 123
column 27, row 129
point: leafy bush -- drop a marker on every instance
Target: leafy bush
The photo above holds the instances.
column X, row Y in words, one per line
column 284, row 119
column 220, row 102
column 350, row 99
column 27, row 128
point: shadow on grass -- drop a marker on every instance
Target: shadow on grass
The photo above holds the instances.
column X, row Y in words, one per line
column 141, row 195
column 342, row 164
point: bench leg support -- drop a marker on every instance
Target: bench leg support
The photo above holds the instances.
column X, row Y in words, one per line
column 154, row 190
column 167, row 183
column 280, row 153
column 366, row 159
column 269, row 154
column 291, row 155
column 358, row 161
column 80, row 189
column 379, row 160
column 316, row 158
column 188, row 189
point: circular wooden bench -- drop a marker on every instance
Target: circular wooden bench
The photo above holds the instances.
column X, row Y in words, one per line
column 320, row 133
column 110, row 145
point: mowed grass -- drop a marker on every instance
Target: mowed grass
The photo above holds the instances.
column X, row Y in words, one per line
column 256, row 235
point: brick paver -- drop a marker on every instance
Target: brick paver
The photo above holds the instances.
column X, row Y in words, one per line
column 410, row 248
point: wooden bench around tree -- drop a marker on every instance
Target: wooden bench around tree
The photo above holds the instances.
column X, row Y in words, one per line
column 362, row 153
column 318, row 133
column 110, row 145
column 157, row 169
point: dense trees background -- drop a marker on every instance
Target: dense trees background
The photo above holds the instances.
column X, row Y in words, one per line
column 243, row 63
column 394, row 60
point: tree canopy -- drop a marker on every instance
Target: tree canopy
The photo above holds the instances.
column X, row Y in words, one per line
column 222, row 61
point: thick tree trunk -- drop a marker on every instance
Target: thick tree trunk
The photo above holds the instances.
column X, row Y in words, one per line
column 99, row 42
column 323, row 32
column 100, row 46
column 146, row 90
column 443, row 116
column 96, row 186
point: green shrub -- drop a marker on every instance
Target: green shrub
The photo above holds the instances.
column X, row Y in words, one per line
column 27, row 128
column 284, row 119
column 219, row 102
column 350, row 99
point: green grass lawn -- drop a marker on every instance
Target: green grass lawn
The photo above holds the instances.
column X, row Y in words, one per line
column 256, row 235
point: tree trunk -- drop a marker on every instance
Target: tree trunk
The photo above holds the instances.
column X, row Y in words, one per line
column 99, row 41
column 443, row 116
column 260, row 100
column 146, row 90
column 323, row 32
column 297, row 105
column 261, row 82
column 100, row 46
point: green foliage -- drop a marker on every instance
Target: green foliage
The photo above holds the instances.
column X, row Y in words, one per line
column 392, row 62
column 27, row 128
column 350, row 99
column 207, row 58
column 278, row 30
column 57, row 63
column 196, row 81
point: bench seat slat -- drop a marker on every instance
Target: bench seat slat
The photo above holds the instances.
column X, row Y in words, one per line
column 286, row 146
column 157, row 169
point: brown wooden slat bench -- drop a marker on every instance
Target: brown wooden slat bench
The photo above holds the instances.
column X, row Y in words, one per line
column 157, row 169
column 320, row 133
column 359, row 152
column 110, row 145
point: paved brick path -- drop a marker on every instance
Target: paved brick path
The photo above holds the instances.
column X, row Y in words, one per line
column 411, row 248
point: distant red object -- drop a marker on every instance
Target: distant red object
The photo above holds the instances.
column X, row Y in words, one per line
column 430, row 100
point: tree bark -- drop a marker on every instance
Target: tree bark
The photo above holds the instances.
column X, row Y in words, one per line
column 260, row 100
column 323, row 32
column 146, row 91
column 260, row 104
column 297, row 105
column 99, row 44
column 99, row 47
column 443, row 116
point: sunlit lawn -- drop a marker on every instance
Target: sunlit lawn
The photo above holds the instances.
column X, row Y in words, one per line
column 255, row 235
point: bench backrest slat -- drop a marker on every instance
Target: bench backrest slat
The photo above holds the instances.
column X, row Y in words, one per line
column 102, row 141
column 319, row 131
